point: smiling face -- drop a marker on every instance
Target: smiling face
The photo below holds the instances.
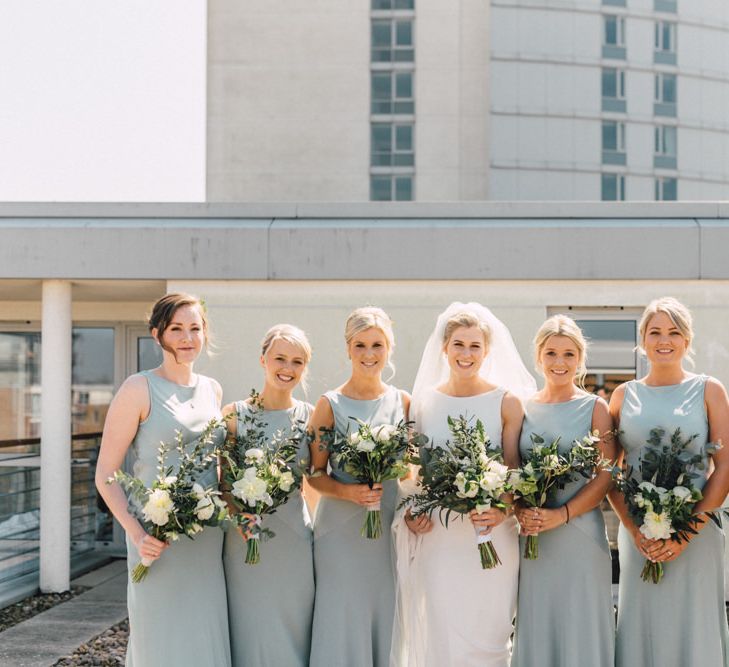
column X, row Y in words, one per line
column 283, row 363
column 663, row 341
column 465, row 350
column 368, row 351
column 184, row 337
column 559, row 360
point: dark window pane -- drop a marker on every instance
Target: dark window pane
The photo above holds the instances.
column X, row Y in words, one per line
column 404, row 34
column 404, row 137
column 404, row 188
column 670, row 189
column 381, row 33
column 404, row 84
column 610, row 136
column 381, row 138
column 611, row 30
column 609, row 187
column 381, row 86
column 609, row 82
column 380, row 188
column 669, row 88
column 404, row 4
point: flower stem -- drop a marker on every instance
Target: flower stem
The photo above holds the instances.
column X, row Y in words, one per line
column 652, row 572
column 489, row 557
column 531, row 550
column 253, row 551
column 372, row 527
column 139, row 573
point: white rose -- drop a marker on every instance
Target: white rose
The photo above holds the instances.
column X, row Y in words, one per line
column 355, row 437
column 656, row 526
column 198, row 491
column 366, row 445
column 254, row 454
column 466, row 488
column 169, row 481
column 384, row 432
column 647, row 486
column 529, row 469
column 158, row 507
column 204, row 509
column 682, row 493
column 551, row 462
column 286, row 481
column 250, row 488
column 490, row 481
column 194, row 529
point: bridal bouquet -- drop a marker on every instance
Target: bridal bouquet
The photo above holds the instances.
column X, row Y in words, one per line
column 546, row 470
column 175, row 504
column 261, row 475
column 466, row 474
column 660, row 495
column 372, row 454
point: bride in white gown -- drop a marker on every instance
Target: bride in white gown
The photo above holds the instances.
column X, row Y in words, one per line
column 451, row 612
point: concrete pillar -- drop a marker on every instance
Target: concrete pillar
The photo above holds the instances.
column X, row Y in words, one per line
column 55, row 493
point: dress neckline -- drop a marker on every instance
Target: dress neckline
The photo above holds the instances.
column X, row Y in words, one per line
column 483, row 393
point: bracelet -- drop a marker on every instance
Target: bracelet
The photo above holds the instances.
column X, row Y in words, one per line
column 567, row 507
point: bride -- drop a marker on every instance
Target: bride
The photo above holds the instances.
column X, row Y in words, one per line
column 450, row 610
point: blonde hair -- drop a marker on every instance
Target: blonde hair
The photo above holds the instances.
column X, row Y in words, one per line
column 677, row 313
column 371, row 317
column 468, row 320
column 295, row 336
column 562, row 325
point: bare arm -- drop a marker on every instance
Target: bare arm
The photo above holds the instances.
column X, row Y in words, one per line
column 127, row 409
column 717, row 410
column 321, row 481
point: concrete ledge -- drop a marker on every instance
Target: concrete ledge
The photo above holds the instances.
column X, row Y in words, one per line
column 393, row 241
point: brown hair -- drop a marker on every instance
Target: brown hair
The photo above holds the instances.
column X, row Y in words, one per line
column 164, row 311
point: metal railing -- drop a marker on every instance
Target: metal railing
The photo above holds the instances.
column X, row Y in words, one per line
column 20, row 502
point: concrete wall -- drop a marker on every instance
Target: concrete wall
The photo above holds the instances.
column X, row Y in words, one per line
column 288, row 100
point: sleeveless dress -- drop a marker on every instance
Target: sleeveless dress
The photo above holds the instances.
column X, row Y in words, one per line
column 465, row 612
column 565, row 610
column 680, row 621
column 270, row 604
column 355, row 588
column 178, row 615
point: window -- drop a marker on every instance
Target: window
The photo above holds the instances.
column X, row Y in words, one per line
column 668, row 6
column 613, row 89
column 613, row 187
column 666, row 189
column 665, row 146
column 392, row 92
column 665, row 94
column 391, row 187
column 392, row 145
column 393, row 4
column 613, row 142
column 392, row 41
column 665, row 43
column 613, row 44
column 614, row 3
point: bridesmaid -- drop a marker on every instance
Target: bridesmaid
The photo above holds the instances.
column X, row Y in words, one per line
column 355, row 591
column 565, row 611
column 466, row 612
column 177, row 615
column 681, row 620
column 270, row 605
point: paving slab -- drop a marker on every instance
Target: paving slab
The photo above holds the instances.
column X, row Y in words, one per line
column 59, row 631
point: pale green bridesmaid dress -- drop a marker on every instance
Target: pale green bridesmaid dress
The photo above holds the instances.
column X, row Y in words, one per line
column 270, row 604
column 355, row 589
column 564, row 612
column 178, row 614
column 681, row 621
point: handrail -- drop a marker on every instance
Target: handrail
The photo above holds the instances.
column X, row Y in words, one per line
column 22, row 442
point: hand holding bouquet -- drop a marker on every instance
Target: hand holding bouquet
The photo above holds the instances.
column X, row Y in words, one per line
column 466, row 474
column 261, row 475
column 175, row 504
column 371, row 454
column 545, row 471
column 660, row 495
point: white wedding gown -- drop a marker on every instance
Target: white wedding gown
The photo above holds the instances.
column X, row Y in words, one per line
column 453, row 613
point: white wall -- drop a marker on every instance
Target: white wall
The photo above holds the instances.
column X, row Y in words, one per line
column 102, row 101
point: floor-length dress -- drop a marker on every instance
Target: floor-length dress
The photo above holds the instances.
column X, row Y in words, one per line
column 270, row 604
column 355, row 589
column 177, row 614
column 565, row 612
column 466, row 612
column 680, row 621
